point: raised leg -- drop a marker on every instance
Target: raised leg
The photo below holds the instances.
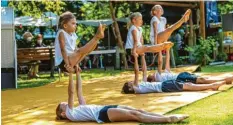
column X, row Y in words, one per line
column 163, row 36
column 78, row 56
column 153, row 49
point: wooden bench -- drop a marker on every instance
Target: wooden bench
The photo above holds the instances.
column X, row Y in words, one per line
column 25, row 56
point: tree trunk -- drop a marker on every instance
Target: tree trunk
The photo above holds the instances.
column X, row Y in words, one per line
column 190, row 38
column 118, row 35
column 202, row 17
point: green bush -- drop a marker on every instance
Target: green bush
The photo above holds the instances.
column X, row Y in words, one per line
column 201, row 52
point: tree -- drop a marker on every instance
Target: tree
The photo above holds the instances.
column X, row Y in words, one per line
column 225, row 6
column 36, row 8
column 101, row 10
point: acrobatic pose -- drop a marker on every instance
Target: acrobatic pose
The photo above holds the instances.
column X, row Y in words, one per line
column 108, row 113
column 165, row 86
column 134, row 43
column 159, row 33
column 67, row 55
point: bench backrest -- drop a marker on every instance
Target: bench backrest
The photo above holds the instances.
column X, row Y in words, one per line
column 32, row 54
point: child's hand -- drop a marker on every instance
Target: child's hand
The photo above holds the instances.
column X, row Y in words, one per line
column 69, row 68
column 78, row 69
column 135, row 54
column 143, row 54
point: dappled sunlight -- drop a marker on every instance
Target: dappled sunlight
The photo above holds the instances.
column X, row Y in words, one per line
column 36, row 106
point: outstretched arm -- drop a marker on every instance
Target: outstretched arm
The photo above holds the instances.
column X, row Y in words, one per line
column 135, row 43
column 79, row 91
column 71, row 92
column 155, row 32
column 160, row 62
column 136, row 67
column 167, row 66
column 61, row 38
column 136, row 71
column 144, row 69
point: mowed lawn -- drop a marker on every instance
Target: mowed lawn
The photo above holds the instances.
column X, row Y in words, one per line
column 214, row 110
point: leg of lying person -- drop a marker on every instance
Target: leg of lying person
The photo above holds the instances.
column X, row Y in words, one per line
column 122, row 114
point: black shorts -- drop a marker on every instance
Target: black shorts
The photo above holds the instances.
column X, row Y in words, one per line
column 103, row 114
column 172, row 86
column 128, row 52
column 61, row 66
column 186, row 77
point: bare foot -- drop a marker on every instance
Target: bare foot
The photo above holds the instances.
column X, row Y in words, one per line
column 100, row 32
column 216, row 85
column 177, row 118
column 229, row 80
column 168, row 45
column 186, row 15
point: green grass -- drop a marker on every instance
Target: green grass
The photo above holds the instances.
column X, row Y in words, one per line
column 214, row 110
column 216, row 69
column 24, row 82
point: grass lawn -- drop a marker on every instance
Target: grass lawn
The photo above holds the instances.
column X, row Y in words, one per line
column 44, row 78
column 214, row 110
column 216, row 69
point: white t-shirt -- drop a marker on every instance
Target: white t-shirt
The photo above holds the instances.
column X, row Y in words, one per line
column 84, row 113
column 70, row 44
column 129, row 41
column 148, row 87
column 161, row 24
column 167, row 75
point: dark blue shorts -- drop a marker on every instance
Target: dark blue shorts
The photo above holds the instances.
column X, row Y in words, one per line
column 172, row 86
column 103, row 114
column 186, row 77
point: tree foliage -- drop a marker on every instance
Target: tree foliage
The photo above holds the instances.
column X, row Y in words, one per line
column 202, row 51
column 225, row 6
column 36, row 8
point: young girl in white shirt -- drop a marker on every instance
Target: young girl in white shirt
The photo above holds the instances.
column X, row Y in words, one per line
column 134, row 43
column 67, row 55
column 159, row 33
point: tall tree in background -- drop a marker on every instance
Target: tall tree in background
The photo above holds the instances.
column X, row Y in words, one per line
column 36, row 8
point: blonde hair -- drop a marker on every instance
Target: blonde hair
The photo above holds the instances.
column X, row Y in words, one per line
column 156, row 7
column 131, row 17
